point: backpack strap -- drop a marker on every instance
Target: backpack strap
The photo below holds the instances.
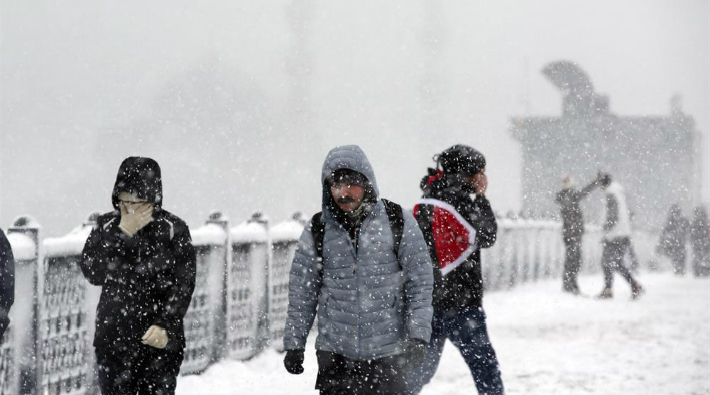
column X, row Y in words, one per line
column 318, row 232
column 396, row 219
column 394, row 215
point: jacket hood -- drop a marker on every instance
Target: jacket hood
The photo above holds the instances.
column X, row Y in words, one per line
column 349, row 157
column 139, row 176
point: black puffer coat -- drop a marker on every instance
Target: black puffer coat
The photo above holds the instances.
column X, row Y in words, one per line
column 463, row 287
column 7, row 282
column 147, row 279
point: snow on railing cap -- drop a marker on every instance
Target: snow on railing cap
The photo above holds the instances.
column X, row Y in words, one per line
column 209, row 234
column 251, row 231
column 69, row 245
column 289, row 230
column 23, row 248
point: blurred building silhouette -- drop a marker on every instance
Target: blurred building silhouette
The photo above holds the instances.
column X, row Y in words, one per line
column 656, row 158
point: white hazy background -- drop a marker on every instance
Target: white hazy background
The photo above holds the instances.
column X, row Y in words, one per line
column 239, row 101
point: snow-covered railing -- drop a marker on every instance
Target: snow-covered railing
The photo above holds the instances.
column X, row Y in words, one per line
column 240, row 300
column 529, row 250
column 204, row 322
column 65, row 319
column 284, row 239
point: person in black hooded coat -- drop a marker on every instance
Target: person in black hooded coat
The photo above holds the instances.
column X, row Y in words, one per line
column 142, row 257
column 456, row 227
column 7, row 283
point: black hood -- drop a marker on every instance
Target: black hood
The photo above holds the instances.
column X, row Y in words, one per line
column 139, row 176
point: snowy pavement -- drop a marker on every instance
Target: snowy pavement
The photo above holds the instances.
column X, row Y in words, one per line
column 547, row 343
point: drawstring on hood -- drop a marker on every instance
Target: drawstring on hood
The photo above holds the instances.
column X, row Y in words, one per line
column 139, row 176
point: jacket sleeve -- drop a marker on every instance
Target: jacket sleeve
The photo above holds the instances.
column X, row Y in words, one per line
column 103, row 249
column 484, row 221
column 586, row 190
column 418, row 279
column 7, row 282
column 179, row 294
column 303, row 291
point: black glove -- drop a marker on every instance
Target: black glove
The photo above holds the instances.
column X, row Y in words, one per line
column 416, row 351
column 293, row 361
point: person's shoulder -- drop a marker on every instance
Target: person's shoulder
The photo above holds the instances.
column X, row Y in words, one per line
column 105, row 218
column 171, row 218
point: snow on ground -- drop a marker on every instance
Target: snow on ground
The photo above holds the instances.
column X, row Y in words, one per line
column 547, row 343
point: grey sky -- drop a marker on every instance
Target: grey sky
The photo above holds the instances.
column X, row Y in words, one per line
column 85, row 83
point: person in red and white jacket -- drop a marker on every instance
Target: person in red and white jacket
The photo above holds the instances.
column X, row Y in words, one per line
column 455, row 227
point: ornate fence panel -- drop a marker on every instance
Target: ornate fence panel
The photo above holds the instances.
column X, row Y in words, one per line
column 284, row 238
column 246, row 288
column 64, row 320
column 203, row 326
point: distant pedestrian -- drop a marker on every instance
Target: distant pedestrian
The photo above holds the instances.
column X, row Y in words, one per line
column 7, row 283
column 673, row 239
column 143, row 259
column 569, row 200
column 456, row 226
column 700, row 240
column 363, row 268
column 617, row 238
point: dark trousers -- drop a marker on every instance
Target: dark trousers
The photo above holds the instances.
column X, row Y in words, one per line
column 338, row 375
column 467, row 331
column 613, row 260
column 138, row 369
column 573, row 262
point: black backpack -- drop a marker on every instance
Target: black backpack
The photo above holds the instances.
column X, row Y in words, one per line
column 396, row 220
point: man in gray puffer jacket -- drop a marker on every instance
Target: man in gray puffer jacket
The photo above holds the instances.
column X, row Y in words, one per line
column 374, row 306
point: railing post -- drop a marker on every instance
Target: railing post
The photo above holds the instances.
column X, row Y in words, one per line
column 24, row 238
column 284, row 238
column 247, row 281
column 65, row 319
column 205, row 324
column 220, row 343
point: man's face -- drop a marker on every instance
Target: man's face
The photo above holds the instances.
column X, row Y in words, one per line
column 347, row 196
column 128, row 203
column 478, row 181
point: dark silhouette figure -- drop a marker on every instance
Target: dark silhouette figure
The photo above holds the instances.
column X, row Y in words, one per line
column 572, row 230
column 673, row 239
column 700, row 240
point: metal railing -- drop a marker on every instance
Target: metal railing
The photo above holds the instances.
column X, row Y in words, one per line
column 239, row 304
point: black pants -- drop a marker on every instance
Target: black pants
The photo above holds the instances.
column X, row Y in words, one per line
column 338, row 375
column 613, row 260
column 573, row 262
column 138, row 369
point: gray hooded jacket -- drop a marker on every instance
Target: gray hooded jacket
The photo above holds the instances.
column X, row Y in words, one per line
column 368, row 301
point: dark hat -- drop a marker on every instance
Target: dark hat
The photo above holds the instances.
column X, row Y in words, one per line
column 605, row 179
column 461, row 159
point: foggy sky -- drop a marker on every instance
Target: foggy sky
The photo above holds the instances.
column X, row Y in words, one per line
column 240, row 101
